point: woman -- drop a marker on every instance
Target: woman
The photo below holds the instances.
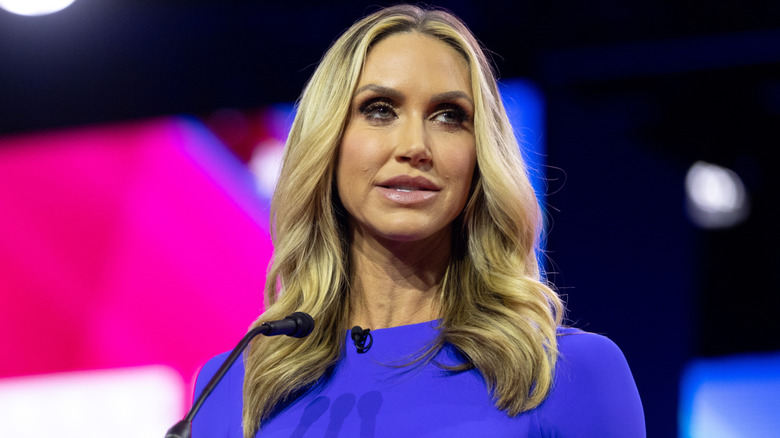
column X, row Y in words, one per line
column 403, row 205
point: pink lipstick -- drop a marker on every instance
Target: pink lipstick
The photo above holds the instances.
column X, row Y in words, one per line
column 407, row 190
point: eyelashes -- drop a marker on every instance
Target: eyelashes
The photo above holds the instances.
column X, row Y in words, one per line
column 378, row 110
column 382, row 111
column 451, row 114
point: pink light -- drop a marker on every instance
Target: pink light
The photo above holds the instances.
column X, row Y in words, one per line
column 126, row 245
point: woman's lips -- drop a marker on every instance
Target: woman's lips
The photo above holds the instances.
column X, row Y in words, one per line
column 408, row 190
column 407, row 195
column 409, row 182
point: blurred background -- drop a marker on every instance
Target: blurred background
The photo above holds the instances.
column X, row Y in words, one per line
column 138, row 148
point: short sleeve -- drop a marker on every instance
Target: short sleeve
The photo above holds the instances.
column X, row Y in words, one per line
column 220, row 414
column 593, row 394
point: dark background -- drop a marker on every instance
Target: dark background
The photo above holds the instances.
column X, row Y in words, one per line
column 635, row 93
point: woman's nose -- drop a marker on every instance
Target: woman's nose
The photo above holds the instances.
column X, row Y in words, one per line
column 413, row 143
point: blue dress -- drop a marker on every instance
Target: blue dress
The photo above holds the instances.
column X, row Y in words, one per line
column 593, row 395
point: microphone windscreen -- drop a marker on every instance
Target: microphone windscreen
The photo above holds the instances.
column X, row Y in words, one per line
column 304, row 324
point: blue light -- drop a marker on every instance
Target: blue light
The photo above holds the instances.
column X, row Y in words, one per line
column 524, row 104
column 731, row 397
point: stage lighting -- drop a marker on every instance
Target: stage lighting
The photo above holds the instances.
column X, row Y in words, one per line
column 715, row 196
column 34, row 7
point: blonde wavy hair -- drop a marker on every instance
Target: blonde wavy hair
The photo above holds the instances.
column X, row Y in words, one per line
column 496, row 309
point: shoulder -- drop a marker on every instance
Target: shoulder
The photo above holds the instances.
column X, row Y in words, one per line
column 588, row 352
column 220, row 414
column 593, row 392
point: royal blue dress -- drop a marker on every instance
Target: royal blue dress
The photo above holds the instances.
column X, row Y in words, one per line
column 593, row 395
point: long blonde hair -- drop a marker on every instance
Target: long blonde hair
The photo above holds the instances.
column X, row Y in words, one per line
column 496, row 310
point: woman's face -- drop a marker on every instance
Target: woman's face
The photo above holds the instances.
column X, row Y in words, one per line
column 408, row 153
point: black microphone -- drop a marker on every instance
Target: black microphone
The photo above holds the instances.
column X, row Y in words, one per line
column 360, row 336
column 297, row 325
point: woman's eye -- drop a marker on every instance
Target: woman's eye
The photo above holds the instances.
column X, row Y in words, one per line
column 377, row 110
column 451, row 116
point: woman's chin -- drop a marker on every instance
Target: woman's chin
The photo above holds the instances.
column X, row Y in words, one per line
column 410, row 235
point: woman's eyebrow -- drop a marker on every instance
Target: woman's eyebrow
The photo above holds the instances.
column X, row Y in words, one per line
column 381, row 90
column 397, row 95
column 451, row 95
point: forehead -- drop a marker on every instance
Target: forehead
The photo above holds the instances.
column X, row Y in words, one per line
column 414, row 59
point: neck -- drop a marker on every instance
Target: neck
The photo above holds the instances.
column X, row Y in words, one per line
column 396, row 283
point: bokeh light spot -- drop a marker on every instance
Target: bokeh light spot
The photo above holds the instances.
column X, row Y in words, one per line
column 34, row 7
column 715, row 196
